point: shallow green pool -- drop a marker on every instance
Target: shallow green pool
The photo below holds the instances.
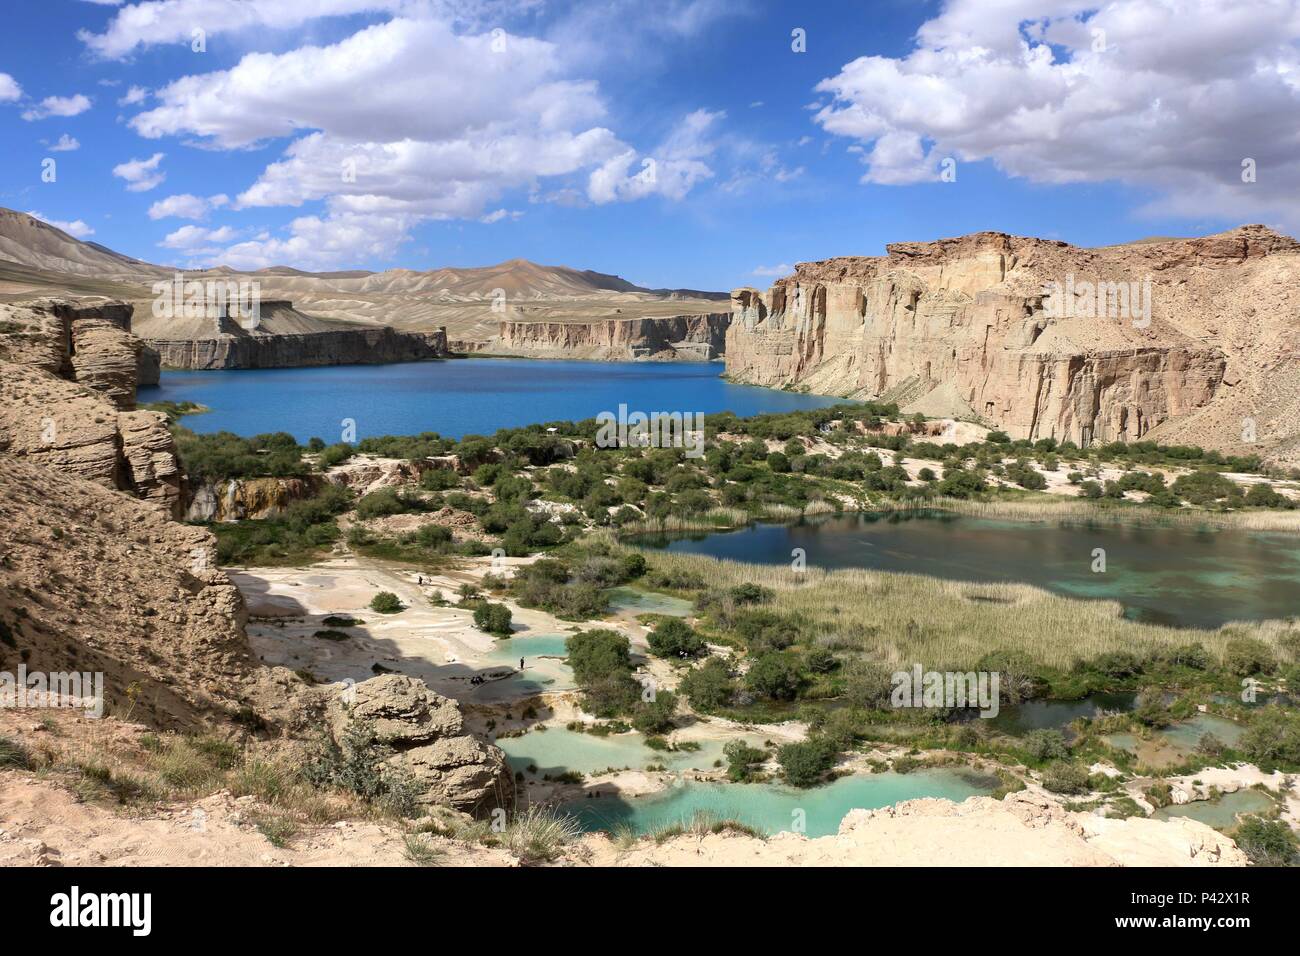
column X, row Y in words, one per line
column 556, row 750
column 1222, row 813
column 772, row 807
column 636, row 601
column 512, row 649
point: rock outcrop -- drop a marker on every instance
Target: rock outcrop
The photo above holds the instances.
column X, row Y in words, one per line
column 425, row 736
column 67, row 399
column 253, row 349
column 92, row 580
column 239, row 498
column 365, row 473
column 676, row 338
column 1043, row 339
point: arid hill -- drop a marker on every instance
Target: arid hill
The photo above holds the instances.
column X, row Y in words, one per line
column 474, row 304
column 1177, row 341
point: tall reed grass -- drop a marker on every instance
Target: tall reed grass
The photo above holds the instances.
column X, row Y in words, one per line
column 904, row 619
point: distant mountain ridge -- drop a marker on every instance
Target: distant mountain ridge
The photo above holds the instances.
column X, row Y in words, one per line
column 36, row 244
column 473, row 304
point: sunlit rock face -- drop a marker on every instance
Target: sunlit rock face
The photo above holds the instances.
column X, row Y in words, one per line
column 1040, row 338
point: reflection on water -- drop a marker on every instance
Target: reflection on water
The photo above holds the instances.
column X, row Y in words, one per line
column 1164, row 575
column 1017, row 719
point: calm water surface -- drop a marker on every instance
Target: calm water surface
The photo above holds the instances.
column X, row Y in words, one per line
column 456, row 397
column 1175, row 576
column 772, row 807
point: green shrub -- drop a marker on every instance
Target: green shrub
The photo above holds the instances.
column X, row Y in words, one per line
column 1046, row 744
column 1065, row 777
column 805, row 763
column 1267, row 842
column 709, row 686
column 386, row 602
column 673, row 637
column 1273, row 737
column 741, row 759
column 1246, row 656
column 597, row 654
column 655, row 716
column 493, row 618
column 776, row 676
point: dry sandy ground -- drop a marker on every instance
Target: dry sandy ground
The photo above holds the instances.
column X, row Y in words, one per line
column 440, row 645
column 43, row 825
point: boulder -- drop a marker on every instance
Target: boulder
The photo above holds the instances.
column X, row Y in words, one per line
column 423, row 734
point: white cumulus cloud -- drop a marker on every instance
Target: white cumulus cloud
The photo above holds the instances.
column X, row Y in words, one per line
column 1170, row 95
column 58, row 106
column 191, row 237
column 672, row 170
column 141, row 175
column 187, row 206
column 410, row 120
column 153, row 22
column 9, row 89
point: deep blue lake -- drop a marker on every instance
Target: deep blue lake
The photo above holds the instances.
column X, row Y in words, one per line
column 456, row 397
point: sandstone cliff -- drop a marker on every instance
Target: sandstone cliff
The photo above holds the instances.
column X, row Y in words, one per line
column 67, row 399
column 689, row 338
column 1185, row 340
column 286, row 338
column 239, row 498
column 92, row 580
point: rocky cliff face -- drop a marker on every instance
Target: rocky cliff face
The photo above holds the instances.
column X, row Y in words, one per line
column 92, row 580
column 681, row 338
column 67, row 399
column 249, row 349
column 241, row 498
column 1039, row 338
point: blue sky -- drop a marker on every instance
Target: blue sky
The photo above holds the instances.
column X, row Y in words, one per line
column 481, row 130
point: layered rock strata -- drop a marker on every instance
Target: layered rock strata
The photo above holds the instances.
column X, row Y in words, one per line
column 249, row 349
column 238, row 499
column 67, row 400
column 1039, row 338
column 92, row 580
column 680, row 338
